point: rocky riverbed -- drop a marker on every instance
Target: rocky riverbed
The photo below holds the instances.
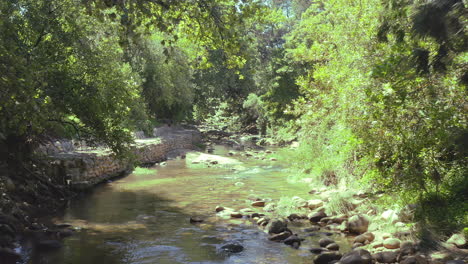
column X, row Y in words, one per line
column 226, row 205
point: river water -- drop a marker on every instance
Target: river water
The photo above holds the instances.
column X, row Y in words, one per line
column 144, row 217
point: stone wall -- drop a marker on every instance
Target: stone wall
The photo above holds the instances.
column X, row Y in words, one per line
column 82, row 169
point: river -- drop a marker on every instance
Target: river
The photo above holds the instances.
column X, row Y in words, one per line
column 144, row 217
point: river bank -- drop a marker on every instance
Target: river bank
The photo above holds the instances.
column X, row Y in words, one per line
column 63, row 171
column 348, row 225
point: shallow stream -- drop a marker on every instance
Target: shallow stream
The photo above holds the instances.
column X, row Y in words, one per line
column 144, row 217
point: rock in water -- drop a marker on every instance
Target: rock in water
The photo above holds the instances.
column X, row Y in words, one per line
column 326, row 241
column 293, row 241
column 316, row 217
column 230, row 248
column 357, row 256
column 276, row 226
column 280, row 237
column 333, row 247
column 195, row 219
column 326, row 257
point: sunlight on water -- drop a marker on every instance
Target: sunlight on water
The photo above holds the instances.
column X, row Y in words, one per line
column 144, row 218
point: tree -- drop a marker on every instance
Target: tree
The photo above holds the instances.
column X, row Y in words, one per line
column 67, row 64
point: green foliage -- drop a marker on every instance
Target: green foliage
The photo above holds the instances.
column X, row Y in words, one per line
column 340, row 203
column 332, row 100
column 78, row 64
column 168, row 89
column 223, row 118
column 49, row 76
column 384, row 98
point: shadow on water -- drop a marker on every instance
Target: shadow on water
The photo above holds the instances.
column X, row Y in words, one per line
column 129, row 227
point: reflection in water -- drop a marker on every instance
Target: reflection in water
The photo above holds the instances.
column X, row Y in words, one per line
column 144, row 218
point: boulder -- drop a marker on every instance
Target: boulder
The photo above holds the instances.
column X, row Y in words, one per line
column 236, row 214
column 326, row 257
column 386, row 256
column 314, row 204
column 365, row 238
column 258, row 215
column 370, row 236
column 195, row 219
column 326, row 241
column 458, row 240
column 377, row 244
column 230, row 248
column 360, row 239
column 276, row 226
column 333, row 247
column 294, row 216
column 357, row 256
column 219, row 209
column 386, row 235
column 316, row 217
column 258, row 203
column 358, row 224
column 262, row 221
column 356, row 245
column 391, row 243
column 280, row 237
column 293, row 241
column 406, row 248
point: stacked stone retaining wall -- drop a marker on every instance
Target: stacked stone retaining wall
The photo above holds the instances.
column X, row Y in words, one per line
column 82, row 169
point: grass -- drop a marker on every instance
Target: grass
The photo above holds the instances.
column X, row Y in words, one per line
column 341, row 203
column 286, row 206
